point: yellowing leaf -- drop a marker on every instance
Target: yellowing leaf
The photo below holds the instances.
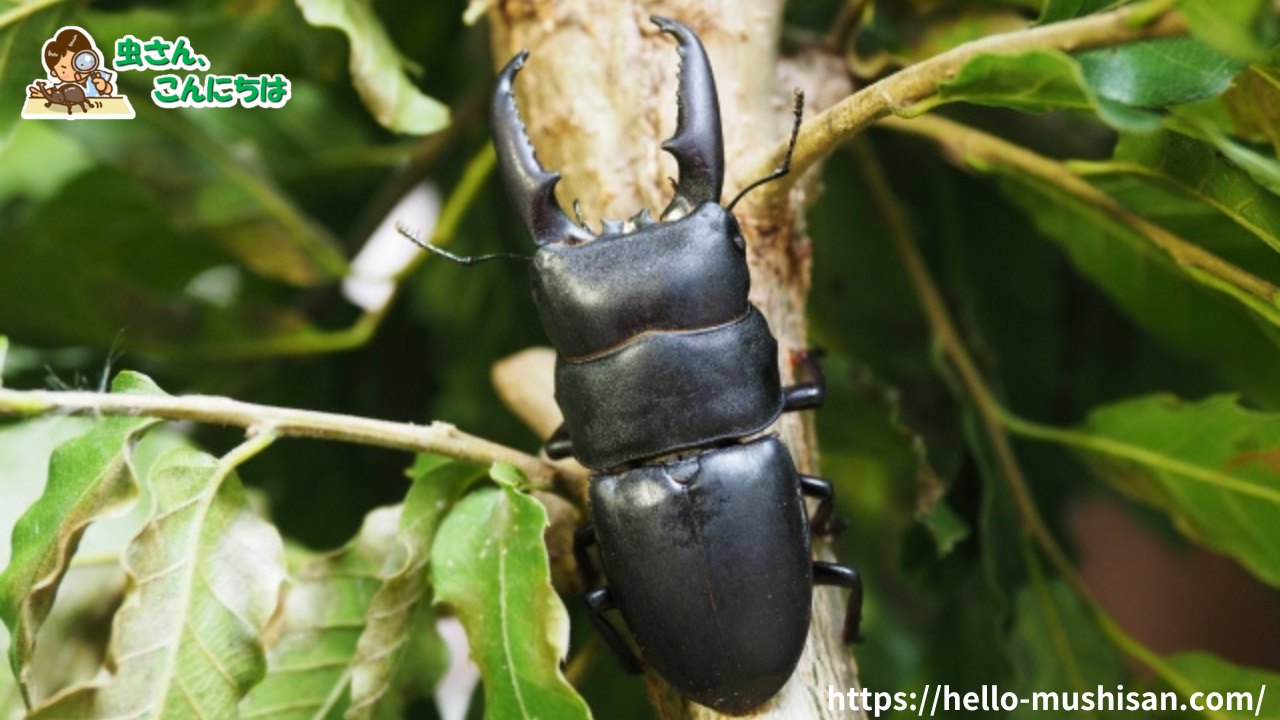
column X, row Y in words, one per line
column 377, row 68
column 205, row 577
column 309, row 667
column 90, row 478
column 397, row 611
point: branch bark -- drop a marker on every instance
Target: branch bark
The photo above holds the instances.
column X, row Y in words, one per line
column 438, row 437
column 917, row 84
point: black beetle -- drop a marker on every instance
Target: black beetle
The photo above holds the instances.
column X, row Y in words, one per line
column 666, row 375
column 65, row 94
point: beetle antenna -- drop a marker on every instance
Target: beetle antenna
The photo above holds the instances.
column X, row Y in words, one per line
column 461, row 260
column 798, row 110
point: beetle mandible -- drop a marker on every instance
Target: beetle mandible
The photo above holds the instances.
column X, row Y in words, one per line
column 667, row 377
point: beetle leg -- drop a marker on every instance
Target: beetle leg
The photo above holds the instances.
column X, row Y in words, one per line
column 698, row 145
column 532, row 189
column 825, row 494
column 559, row 446
column 803, row 396
column 584, row 538
column 600, row 601
column 825, row 573
column 811, row 394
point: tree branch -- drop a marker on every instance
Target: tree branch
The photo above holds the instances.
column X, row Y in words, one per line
column 438, row 437
column 965, row 144
column 919, row 83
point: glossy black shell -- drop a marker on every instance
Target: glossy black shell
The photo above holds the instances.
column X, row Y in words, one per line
column 658, row 348
column 709, row 560
column 668, row 391
column 685, row 274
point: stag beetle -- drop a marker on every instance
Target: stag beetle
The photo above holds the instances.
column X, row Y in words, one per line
column 667, row 376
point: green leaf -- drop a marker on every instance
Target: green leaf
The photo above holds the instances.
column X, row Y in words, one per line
column 1240, row 28
column 1195, row 313
column 206, row 576
column 213, row 182
column 1253, row 103
column 1205, row 673
column 1264, row 170
column 90, row 478
column 4, row 350
column 489, row 565
column 38, row 163
column 403, row 603
column 24, row 451
column 1033, row 81
column 1057, row 10
column 24, row 28
column 1193, row 168
column 377, row 68
column 127, row 266
column 1212, row 465
column 1059, row 646
column 309, row 667
column 1158, row 73
column 1122, row 84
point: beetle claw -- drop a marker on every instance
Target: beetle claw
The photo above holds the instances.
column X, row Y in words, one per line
column 532, row 189
column 698, row 145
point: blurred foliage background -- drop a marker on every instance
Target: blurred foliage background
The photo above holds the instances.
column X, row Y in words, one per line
column 206, row 248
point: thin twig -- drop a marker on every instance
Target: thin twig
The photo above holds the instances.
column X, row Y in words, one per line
column 919, row 83
column 437, row 437
column 846, row 23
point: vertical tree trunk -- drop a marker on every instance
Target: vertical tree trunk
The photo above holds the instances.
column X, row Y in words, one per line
column 598, row 97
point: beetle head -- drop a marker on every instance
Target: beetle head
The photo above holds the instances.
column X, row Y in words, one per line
column 697, row 146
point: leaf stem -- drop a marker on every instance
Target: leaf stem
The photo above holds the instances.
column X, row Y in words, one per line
column 1143, row 654
column 845, row 24
column 312, row 238
column 997, row 420
column 103, row 559
column 1133, row 453
column 455, row 209
column 437, row 437
column 898, row 93
column 954, row 349
column 974, row 147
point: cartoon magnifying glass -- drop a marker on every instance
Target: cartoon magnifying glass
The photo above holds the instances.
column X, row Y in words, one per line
column 86, row 61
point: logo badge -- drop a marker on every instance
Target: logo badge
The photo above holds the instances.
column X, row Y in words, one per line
column 78, row 85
